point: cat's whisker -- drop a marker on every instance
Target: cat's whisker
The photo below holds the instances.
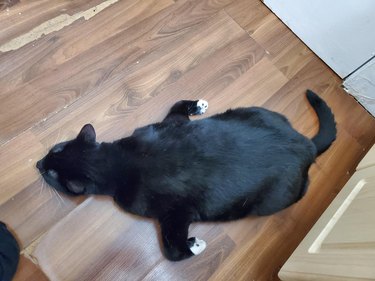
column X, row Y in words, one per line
column 61, row 199
column 50, row 192
column 54, row 194
column 58, row 197
column 44, row 186
column 41, row 187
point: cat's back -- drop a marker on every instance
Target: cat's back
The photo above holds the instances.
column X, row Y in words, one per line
column 252, row 126
column 223, row 156
column 233, row 134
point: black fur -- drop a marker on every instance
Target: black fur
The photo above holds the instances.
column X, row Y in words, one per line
column 9, row 254
column 244, row 161
column 325, row 136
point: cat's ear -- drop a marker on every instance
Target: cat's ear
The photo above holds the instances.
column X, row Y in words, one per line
column 87, row 134
column 75, row 187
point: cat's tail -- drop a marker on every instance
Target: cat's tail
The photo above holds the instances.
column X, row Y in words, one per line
column 327, row 125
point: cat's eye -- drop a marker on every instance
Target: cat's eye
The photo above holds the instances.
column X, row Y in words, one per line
column 57, row 149
column 52, row 173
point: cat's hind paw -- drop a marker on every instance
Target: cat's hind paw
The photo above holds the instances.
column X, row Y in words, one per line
column 196, row 245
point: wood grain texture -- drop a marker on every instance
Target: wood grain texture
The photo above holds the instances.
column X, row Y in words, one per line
column 18, row 169
column 123, row 68
column 340, row 246
column 287, row 52
column 57, row 251
column 22, row 16
column 29, row 271
column 34, row 210
column 68, row 80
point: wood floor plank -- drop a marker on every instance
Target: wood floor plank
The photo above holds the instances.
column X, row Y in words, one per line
column 294, row 56
column 168, row 25
column 290, row 99
column 73, row 79
column 18, row 169
column 65, row 253
column 32, row 211
column 119, row 108
column 356, row 119
column 29, row 271
column 253, row 88
column 65, row 45
column 64, row 84
column 250, row 15
column 25, row 15
column 119, row 257
column 286, row 51
column 223, row 68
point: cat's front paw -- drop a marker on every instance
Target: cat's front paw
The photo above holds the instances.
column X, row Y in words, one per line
column 196, row 245
column 198, row 107
column 202, row 106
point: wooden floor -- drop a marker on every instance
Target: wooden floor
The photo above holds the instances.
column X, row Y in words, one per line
column 120, row 64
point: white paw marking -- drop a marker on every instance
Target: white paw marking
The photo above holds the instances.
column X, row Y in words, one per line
column 198, row 246
column 202, row 106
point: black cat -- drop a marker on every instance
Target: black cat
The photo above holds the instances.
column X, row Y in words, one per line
column 241, row 162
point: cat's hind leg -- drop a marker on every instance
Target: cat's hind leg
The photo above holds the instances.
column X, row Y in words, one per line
column 185, row 108
column 176, row 245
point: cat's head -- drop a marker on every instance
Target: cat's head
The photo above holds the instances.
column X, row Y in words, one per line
column 69, row 166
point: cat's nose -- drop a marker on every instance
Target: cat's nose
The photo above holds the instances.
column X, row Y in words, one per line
column 39, row 164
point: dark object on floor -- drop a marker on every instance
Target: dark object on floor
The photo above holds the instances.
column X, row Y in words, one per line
column 9, row 254
column 4, row 4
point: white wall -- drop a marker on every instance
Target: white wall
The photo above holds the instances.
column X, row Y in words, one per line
column 340, row 32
